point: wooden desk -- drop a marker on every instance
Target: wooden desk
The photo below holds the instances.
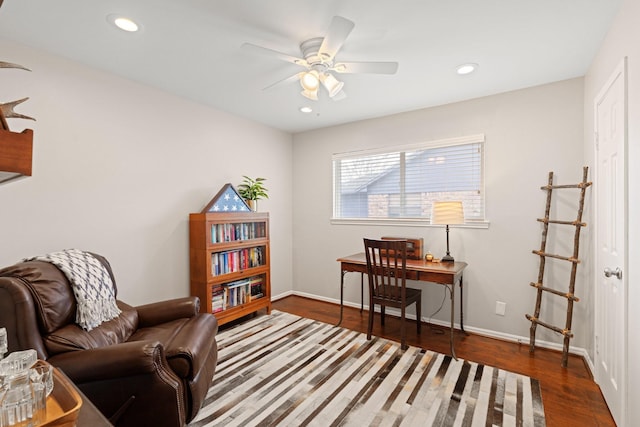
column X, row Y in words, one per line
column 442, row 273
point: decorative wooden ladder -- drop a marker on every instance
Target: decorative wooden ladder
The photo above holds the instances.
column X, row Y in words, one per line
column 539, row 285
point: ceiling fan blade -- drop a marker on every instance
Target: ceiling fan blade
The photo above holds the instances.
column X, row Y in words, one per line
column 270, row 52
column 366, row 67
column 290, row 79
column 340, row 96
column 338, row 32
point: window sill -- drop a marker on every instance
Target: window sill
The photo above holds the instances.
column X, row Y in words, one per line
column 403, row 222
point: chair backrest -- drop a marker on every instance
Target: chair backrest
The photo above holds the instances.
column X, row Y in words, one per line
column 387, row 268
column 38, row 308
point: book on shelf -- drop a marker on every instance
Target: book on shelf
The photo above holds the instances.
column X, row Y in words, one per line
column 230, row 232
column 235, row 296
column 238, row 292
column 256, row 287
column 217, row 307
column 236, row 260
column 217, row 300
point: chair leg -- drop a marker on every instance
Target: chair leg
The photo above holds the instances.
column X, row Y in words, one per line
column 382, row 314
column 370, row 322
column 403, row 338
column 419, row 314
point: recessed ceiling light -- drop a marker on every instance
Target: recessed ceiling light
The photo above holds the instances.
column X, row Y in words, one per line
column 466, row 68
column 124, row 23
column 306, row 109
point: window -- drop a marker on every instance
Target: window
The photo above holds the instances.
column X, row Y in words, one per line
column 403, row 182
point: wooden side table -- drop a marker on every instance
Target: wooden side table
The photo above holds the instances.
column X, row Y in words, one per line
column 89, row 415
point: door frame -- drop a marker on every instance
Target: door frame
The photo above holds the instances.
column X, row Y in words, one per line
column 619, row 71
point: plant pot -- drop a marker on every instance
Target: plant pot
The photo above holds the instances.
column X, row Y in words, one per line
column 253, row 205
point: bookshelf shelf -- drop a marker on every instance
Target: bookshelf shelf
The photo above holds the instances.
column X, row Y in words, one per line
column 229, row 262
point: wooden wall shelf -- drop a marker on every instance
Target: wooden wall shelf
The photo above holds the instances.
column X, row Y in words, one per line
column 16, row 152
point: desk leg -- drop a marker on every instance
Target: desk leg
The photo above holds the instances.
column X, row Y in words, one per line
column 453, row 308
column 342, row 273
column 461, row 309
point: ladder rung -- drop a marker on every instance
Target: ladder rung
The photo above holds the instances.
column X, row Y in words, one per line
column 570, row 259
column 555, row 221
column 554, row 187
column 565, row 332
column 567, row 295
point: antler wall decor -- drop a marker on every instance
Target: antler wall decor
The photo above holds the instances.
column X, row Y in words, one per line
column 7, row 107
column 8, row 113
column 11, row 65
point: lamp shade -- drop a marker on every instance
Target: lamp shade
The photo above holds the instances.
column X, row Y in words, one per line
column 447, row 213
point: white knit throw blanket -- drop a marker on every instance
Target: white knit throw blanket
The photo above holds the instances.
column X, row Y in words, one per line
column 91, row 284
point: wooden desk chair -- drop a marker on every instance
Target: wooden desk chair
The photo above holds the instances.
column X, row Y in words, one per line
column 387, row 272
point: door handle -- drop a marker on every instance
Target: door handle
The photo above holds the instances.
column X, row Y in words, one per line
column 617, row 272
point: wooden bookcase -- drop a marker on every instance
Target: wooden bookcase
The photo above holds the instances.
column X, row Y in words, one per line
column 229, row 261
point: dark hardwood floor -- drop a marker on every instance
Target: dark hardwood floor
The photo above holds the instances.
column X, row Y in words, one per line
column 570, row 396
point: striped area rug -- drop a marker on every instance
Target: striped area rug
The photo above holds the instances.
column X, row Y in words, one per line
column 285, row 370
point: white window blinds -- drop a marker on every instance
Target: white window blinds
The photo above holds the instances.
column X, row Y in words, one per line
column 403, row 182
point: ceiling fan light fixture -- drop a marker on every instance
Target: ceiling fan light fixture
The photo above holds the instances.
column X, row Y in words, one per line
column 333, row 85
column 317, row 62
column 311, row 94
column 310, row 81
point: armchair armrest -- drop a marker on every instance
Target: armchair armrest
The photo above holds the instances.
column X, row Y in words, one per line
column 114, row 361
column 165, row 311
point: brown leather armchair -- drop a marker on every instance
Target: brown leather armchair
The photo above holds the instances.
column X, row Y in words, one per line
column 152, row 365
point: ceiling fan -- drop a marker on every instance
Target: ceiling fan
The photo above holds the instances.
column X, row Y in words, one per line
column 318, row 60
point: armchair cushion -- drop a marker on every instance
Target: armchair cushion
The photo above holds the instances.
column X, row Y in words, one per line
column 72, row 337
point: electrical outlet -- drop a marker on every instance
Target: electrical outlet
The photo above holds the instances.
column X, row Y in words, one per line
column 501, row 308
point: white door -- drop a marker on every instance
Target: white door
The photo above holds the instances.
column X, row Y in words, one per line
column 611, row 243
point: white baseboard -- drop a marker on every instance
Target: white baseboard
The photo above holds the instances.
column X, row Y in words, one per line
column 579, row 351
column 284, row 295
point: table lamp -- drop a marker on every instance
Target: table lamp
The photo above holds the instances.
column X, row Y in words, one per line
column 446, row 213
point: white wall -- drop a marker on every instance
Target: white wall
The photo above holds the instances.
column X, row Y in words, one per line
column 528, row 133
column 118, row 167
column 622, row 42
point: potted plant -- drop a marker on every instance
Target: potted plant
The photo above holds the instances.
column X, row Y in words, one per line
column 252, row 190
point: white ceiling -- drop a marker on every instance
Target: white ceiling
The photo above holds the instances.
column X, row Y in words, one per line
column 192, row 48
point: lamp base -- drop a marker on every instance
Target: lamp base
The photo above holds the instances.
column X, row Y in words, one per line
column 447, row 258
